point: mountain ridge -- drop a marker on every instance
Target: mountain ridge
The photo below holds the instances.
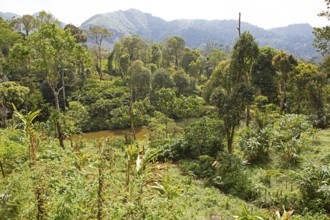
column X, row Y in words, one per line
column 296, row 39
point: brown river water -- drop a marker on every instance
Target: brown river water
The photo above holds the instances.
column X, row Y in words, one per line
column 141, row 133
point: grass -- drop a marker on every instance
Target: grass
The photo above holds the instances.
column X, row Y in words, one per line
column 182, row 196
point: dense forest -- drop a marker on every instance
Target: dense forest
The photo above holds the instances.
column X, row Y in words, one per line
column 235, row 134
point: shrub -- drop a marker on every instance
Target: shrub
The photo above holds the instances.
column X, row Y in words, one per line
column 314, row 184
column 256, row 145
column 232, row 177
column 205, row 137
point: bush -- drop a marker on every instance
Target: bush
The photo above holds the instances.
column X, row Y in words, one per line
column 289, row 137
column 314, row 184
column 205, row 137
column 256, row 145
column 232, row 177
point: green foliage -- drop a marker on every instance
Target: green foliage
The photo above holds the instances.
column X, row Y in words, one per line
column 231, row 176
column 314, row 183
column 7, row 37
column 162, row 79
column 256, row 145
column 322, row 35
column 290, row 134
column 310, row 83
column 11, row 93
column 264, row 75
column 247, row 215
column 154, row 85
column 204, row 137
column 12, row 149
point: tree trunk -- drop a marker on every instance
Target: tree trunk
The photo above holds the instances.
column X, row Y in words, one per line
column 283, row 101
column 40, row 205
column 58, row 126
column 248, row 115
column 2, row 170
column 99, row 60
column 131, row 116
column 60, row 135
column 63, row 86
column 239, row 24
column 230, row 137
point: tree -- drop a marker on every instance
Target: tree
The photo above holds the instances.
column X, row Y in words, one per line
column 11, row 93
column 183, row 83
column 174, row 49
column 165, row 103
column 139, row 84
column 77, row 33
column 284, row 64
column 162, row 79
column 213, row 59
column 26, row 23
column 136, row 47
column 245, row 54
column 210, row 46
column 264, row 74
column 156, row 54
column 140, row 80
column 7, row 37
column 124, row 64
column 229, row 87
column 322, row 35
column 45, row 17
column 188, row 107
column 309, row 83
column 52, row 55
column 98, row 34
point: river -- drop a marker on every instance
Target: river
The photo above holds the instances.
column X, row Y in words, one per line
column 141, row 133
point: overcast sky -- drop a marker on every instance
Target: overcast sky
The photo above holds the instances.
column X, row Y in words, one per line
column 263, row 13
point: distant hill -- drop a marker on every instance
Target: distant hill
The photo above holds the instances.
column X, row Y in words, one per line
column 296, row 39
column 9, row 15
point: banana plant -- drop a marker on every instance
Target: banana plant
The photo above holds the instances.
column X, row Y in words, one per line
column 28, row 127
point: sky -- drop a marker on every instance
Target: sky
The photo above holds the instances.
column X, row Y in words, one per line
column 262, row 13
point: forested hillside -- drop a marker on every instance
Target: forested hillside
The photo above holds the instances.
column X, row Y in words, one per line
column 196, row 133
column 296, row 39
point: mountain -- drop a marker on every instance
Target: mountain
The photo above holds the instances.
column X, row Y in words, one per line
column 9, row 15
column 295, row 39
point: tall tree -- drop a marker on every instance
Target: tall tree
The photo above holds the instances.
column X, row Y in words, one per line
column 53, row 53
column 45, row 17
column 77, row 33
column 174, row 50
column 7, row 37
column 245, row 54
column 264, row 74
column 322, row 35
column 26, row 23
column 136, row 47
column 309, row 83
column 226, row 95
column 98, row 34
column 139, row 84
column 284, row 64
